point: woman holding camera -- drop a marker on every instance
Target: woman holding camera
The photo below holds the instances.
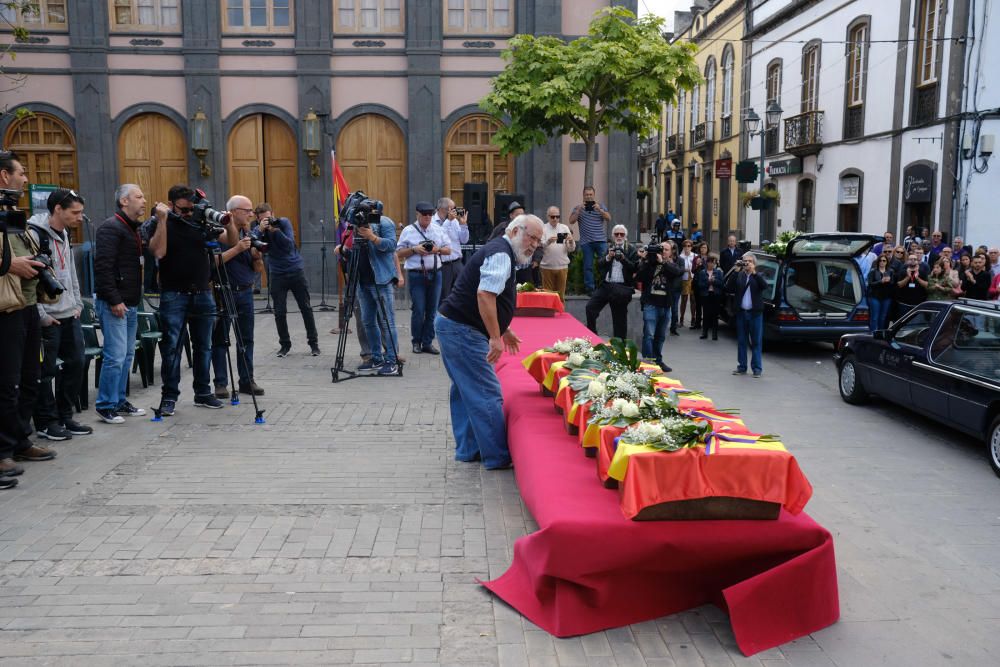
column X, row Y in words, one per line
column 557, row 244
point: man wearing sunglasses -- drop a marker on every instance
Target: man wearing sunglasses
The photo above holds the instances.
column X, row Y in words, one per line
column 62, row 335
column 617, row 268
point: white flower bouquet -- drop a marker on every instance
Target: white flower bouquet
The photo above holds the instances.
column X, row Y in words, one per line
column 669, row 434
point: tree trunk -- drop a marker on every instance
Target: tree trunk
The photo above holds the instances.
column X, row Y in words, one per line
column 588, row 169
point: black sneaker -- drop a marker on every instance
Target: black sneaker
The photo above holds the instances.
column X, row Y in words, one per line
column 664, row 367
column 388, row 369
column 54, row 431
column 673, row 332
column 314, row 350
column 7, row 483
column 76, row 428
column 109, row 416
column 369, row 368
column 210, row 402
column 126, row 409
column 283, row 351
column 167, row 407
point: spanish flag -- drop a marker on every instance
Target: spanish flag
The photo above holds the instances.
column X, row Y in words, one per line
column 340, row 189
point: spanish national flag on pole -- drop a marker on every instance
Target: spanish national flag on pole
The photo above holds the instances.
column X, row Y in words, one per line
column 340, row 189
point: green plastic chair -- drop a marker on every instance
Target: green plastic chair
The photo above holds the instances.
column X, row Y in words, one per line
column 91, row 352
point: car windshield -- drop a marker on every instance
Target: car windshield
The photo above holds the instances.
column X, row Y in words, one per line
column 767, row 268
column 829, row 286
column 829, row 245
column 969, row 342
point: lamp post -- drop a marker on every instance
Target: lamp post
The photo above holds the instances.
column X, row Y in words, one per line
column 200, row 140
column 751, row 124
column 312, row 141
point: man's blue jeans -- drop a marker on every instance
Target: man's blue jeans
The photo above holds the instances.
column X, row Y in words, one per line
column 367, row 295
column 749, row 331
column 198, row 310
column 591, row 251
column 243, row 300
column 654, row 330
column 425, row 292
column 117, row 354
column 476, row 402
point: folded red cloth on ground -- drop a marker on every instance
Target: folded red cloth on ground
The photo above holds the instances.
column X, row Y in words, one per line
column 588, row 568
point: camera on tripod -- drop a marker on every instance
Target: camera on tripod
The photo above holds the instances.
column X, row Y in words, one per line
column 12, row 221
column 210, row 221
column 360, row 211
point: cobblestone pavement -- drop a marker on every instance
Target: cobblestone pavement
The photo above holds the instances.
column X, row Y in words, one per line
column 343, row 532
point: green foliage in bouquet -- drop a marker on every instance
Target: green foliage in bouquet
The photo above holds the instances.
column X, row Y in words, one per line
column 781, row 244
column 622, row 353
column 527, row 287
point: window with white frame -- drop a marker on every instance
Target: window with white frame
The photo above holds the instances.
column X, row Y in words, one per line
column 773, row 83
column 479, row 16
column 36, row 15
column 810, row 78
column 681, row 102
column 727, row 82
column 371, row 16
column 927, row 46
column 695, row 101
column 145, row 15
column 857, row 47
column 710, row 91
column 257, row 15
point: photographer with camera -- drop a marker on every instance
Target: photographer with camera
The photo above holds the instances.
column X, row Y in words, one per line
column 618, row 269
column 19, row 328
column 593, row 219
column 376, row 270
column 241, row 264
column 421, row 246
column 557, row 244
column 658, row 269
column 62, row 335
column 455, row 223
column 286, row 272
column 178, row 240
column 750, row 287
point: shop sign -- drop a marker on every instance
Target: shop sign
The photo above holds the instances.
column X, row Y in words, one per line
column 784, row 167
column 724, row 168
column 918, row 184
column 850, row 189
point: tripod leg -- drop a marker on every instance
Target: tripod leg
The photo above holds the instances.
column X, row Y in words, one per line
column 347, row 310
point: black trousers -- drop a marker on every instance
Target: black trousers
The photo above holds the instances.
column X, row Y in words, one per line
column 449, row 274
column 616, row 295
column 281, row 283
column 19, row 364
column 710, row 304
column 63, row 341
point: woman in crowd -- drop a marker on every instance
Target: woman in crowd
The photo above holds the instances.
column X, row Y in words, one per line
column 943, row 284
column 898, row 258
column 964, row 264
column 700, row 261
column 879, row 293
column 687, row 259
column 709, row 285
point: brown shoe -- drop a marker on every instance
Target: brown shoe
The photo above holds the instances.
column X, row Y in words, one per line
column 9, row 468
column 251, row 388
column 36, row 453
column 221, row 391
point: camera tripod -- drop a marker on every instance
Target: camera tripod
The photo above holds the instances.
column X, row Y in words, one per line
column 226, row 312
column 347, row 311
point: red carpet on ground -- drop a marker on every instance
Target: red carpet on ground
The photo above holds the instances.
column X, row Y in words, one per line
column 588, row 568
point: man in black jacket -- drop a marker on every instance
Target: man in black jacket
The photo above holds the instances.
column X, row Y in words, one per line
column 118, row 282
column 617, row 268
column 729, row 254
column 657, row 272
column 749, row 316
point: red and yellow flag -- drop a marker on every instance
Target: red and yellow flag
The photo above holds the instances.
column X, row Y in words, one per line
column 340, row 189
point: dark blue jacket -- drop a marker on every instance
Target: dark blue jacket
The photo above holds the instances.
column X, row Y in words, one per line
column 701, row 282
column 756, row 284
column 282, row 255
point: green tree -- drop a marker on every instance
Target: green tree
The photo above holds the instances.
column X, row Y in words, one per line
column 614, row 78
column 8, row 21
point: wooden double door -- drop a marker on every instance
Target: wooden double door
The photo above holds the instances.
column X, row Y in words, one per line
column 263, row 165
column 152, row 153
column 371, row 151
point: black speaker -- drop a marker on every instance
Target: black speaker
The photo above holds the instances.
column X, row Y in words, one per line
column 502, row 201
column 474, row 197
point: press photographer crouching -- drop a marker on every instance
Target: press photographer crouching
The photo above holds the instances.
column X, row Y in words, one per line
column 241, row 264
column 617, row 268
column 62, row 335
column 375, row 243
column 19, row 328
column 177, row 238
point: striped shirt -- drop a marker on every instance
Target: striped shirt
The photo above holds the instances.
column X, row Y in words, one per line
column 592, row 224
column 495, row 271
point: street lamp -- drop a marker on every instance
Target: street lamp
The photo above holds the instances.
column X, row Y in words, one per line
column 200, row 140
column 751, row 124
column 313, row 141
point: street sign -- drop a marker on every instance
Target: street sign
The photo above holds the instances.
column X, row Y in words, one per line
column 747, row 171
column 724, row 168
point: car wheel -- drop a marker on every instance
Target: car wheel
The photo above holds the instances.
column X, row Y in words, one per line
column 851, row 389
column 993, row 445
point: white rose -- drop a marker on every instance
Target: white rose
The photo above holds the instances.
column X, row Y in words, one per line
column 619, row 404
column 630, row 410
column 595, row 388
column 575, row 359
column 603, row 377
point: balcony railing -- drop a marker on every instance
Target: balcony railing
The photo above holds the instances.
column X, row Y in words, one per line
column 804, row 133
column 649, row 146
column 727, row 127
column 703, row 134
column 675, row 144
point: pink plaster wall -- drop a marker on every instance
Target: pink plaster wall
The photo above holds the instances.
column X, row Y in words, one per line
column 462, row 63
column 124, row 91
column 458, row 91
column 55, row 61
column 576, row 16
column 257, row 62
column 234, row 41
column 56, row 90
column 119, row 61
column 347, row 42
column 239, row 91
column 391, row 92
column 364, row 62
column 455, row 43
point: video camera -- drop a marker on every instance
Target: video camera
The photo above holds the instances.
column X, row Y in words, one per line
column 12, row 221
column 205, row 218
column 360, row 211
column 654, row 248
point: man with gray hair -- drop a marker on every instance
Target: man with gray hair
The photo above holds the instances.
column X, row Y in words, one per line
column 456, row 228
column 617, row 269
column 118, row 283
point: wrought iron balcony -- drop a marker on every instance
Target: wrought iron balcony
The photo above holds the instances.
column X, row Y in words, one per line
column 650, row 146
column 804, row 133
column 703, row 134
column 675, row 144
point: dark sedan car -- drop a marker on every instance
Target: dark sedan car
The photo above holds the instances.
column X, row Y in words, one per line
column 815, row 290
column 941, row 359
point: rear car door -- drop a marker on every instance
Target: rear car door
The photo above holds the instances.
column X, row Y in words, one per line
column 892, row 365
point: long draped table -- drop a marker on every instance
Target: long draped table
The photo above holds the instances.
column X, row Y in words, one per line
column 588, row 568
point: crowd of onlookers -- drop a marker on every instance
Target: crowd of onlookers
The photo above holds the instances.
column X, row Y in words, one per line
column 925, row 267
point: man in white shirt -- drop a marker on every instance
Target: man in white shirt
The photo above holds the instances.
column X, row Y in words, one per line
column 422, row 246
column 456, row 227
column 557, row 243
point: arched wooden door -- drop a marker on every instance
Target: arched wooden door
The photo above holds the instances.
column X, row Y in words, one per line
column 152, row 153
column 263, row 165
column 47, row 150
column 471, row 157
column 371, row 152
